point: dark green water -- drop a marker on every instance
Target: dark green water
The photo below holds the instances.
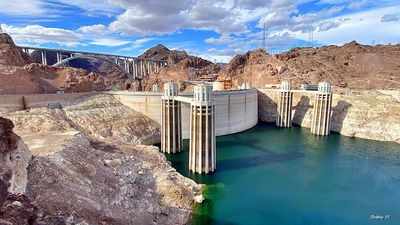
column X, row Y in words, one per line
column 268, row 175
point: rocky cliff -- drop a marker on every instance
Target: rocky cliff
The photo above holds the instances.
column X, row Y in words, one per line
column 352, row 65
column 15, row 207
column 364, row 114
column 181, row 67
column 90, row 166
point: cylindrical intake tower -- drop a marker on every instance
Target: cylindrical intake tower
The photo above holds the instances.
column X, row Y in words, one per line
column 284, row 108
column 171, row 125
column 321, row 121
column 202, row 149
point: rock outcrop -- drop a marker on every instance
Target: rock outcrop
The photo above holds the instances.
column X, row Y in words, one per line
column 158, row 52
column 181, row 68
column 90, row 166
column 15, row 207
column 352, row 65
column 364, row 114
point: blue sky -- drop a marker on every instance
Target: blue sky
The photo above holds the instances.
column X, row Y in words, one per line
column 215, row 30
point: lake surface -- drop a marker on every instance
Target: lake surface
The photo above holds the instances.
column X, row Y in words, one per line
column 288, row 176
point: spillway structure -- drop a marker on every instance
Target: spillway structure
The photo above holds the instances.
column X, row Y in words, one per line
column 284, row 106
column 171, row 123
column 202, row 148
column 321, row 118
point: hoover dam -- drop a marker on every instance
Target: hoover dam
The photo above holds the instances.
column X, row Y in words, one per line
column 191, row 112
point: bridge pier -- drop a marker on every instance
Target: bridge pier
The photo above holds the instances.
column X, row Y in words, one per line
column 284, row 109
column 126, row 65
column 321, row 121
column 202, row 149
column 134, row 65
column 59, row 57
column 44, row 57
column 171, row 124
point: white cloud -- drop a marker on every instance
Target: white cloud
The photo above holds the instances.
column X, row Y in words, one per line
column 101, row 7
column 40, row 34
column 223, row 39
column 94, row 29
column 137, row 44
column 389, row 18
column 111, row 42
column 151, row 17
column 357, row 5
column 364, row 27
column 22, row 7
column 327, row 25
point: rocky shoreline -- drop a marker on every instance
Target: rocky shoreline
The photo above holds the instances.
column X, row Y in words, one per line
column 89, row 166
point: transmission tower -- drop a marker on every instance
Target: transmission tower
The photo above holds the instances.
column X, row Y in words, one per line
column 311, row 35
column 263, row 40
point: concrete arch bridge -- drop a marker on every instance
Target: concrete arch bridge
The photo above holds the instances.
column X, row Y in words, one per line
column 137, row 68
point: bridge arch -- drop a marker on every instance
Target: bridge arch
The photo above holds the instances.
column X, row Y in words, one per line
column 96, row 64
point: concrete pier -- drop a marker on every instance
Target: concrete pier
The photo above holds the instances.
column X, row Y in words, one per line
column 44, row 57
column 202, row 149
column 284, row 109
column 171, row 123
column 321, row 121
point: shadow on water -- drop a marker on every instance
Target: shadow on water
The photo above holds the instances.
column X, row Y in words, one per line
column 207, row 220
column 268, row 158
column 301, row 109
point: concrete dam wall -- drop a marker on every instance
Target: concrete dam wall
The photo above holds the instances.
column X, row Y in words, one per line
column 360, row 113
column 236, row 111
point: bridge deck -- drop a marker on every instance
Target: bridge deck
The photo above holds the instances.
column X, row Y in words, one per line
column 87, row 53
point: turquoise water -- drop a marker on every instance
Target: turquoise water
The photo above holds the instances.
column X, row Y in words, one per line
column 268, row 175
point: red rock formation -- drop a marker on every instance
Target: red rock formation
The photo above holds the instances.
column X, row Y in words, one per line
column 181, row 67
column 158, row 52
column 10, row 54
column 351, row 65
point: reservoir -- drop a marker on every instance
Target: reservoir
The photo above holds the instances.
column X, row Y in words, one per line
column 270, row 175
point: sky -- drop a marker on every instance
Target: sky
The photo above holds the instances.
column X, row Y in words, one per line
column 214, row 30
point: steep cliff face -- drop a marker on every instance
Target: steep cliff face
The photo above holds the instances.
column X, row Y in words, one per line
column 90, row 166
column 15, row 156
column 364, row 114
column 15, row 207
column 105, row 118
column 10, row 54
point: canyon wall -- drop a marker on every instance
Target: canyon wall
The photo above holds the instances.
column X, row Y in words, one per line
column 90, row 166
column 357, row 113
